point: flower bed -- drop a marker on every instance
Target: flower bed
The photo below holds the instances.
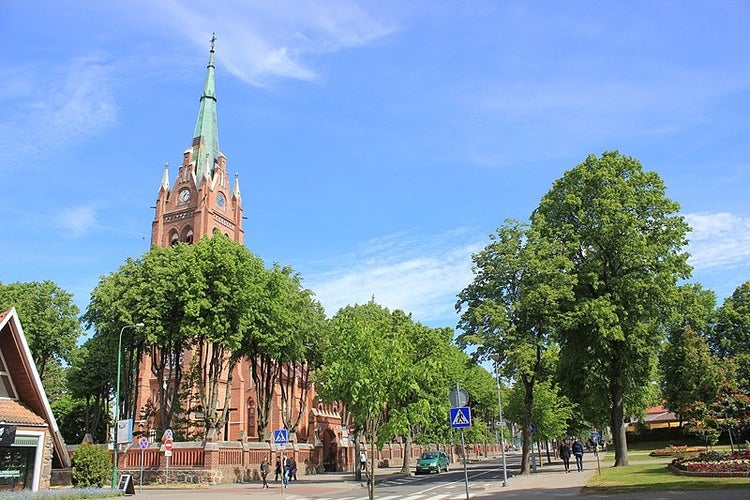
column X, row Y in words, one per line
column 672, row 451
column 714, row 464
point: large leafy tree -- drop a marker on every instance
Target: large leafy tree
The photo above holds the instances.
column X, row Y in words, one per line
column 690, row 371
column 282, row 342
column 730, row 338
column 512, row 307
column 625, row 239
column 367, row 367
column 49, row 318
column 199, row 297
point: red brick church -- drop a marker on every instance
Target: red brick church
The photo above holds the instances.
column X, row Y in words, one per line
column 203, row 198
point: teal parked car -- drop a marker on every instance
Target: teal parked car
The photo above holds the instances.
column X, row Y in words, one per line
column 432, row 461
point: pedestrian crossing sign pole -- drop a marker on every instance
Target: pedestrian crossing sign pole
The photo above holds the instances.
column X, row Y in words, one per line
column 461, row 419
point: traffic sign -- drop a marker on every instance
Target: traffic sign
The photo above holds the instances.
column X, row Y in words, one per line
column 460, row 417
column 143, row 443
column 280, row 436
column 168, row 434
column 168, row 444
column 352, row 429
column 458, row 397
column 532, row 427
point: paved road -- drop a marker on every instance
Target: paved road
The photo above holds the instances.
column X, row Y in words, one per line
column 549, row 482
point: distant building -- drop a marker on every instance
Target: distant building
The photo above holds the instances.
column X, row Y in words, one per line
column 30, row 442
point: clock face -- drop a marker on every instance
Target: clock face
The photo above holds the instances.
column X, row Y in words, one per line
column 185, row 195
column 221, row 200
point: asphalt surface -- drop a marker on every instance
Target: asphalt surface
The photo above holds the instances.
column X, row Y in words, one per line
column 548, row 482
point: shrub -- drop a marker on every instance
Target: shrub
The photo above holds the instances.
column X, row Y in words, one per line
column 90, row 466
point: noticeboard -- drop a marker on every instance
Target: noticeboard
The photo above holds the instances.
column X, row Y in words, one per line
column 126, row 484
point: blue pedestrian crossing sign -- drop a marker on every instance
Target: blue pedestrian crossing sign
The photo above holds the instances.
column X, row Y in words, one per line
column 460, row 417
column 280, row 436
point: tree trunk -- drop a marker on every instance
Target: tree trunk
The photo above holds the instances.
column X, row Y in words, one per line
column 526, row 431
column 618, row 424
column 407, row 455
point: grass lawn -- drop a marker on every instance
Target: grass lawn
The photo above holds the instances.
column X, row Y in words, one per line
column 652, row 476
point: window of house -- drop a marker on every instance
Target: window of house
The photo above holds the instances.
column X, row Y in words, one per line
column 7, row 389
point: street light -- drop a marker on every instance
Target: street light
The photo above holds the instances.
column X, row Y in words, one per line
column 502, row 430
column 117, row 399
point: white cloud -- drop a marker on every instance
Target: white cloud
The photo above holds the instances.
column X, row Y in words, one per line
column 718, row 240
column 57, row 107
column 76, row 221
column 260, row 41
column 420, row 275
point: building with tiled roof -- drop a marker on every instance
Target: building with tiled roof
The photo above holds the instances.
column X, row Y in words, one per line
column 30, row 442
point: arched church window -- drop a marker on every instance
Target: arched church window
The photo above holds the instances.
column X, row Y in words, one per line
column 188, row 235
column 173, row 238
column 251, row 417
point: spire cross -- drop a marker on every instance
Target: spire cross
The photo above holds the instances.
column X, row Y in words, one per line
column 213, row 41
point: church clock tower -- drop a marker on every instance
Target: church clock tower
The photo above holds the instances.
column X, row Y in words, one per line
column 201, row 200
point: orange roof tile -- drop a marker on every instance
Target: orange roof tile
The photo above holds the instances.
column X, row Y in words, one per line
column 15, row 412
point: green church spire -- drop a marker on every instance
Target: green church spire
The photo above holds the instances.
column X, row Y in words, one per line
column 206, row 133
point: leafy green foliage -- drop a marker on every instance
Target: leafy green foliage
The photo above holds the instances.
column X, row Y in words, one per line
column 49, row 318
column 731, row 336
column 624, row 238
column 91, row 466
column 513, row 307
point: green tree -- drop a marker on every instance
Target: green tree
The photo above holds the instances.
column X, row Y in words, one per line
column 730, row 338
column 625, row 239
column 49, row 318
column 551, row 411
column 200, row 297
column 690, row 371
column 512, row 308
column 366, row 366
column 90, row 380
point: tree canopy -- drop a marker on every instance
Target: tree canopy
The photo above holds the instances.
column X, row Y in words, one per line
column 625, row 240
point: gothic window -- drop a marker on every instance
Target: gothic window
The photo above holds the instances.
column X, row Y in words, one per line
column 251, row 417
column 173, row 238
column 187, row 235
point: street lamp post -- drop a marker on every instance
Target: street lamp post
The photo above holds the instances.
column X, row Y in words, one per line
column 502, row 430
column 117, row 399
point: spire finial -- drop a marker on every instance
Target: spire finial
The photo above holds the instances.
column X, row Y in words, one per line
column 213, row 41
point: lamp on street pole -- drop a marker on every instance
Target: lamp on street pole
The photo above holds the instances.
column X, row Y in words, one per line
column 502, row 429
column 117, row 399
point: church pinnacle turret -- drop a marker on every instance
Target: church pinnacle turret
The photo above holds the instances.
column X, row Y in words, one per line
column 206, row 133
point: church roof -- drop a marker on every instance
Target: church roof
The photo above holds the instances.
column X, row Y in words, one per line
column 206, row 133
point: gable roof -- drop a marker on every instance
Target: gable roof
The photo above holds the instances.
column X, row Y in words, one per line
column 33, row 400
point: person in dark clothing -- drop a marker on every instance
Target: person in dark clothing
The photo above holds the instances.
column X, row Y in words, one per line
column 264, row 466
column 277, row 471
column 565, row 455
column 577, row 449
column 293, row 470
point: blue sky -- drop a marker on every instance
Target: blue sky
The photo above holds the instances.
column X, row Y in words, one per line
column 377, row 143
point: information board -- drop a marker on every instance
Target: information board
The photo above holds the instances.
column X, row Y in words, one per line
column 126, row 484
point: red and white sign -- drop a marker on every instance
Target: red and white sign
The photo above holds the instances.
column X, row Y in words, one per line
column 168, row 444
column 352, row 430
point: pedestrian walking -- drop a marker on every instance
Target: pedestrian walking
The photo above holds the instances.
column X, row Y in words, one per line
column 565, row 455
column 264, row 466
column 577, row 449
column 277, row 471
column 286, row 471
column 292, row 470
